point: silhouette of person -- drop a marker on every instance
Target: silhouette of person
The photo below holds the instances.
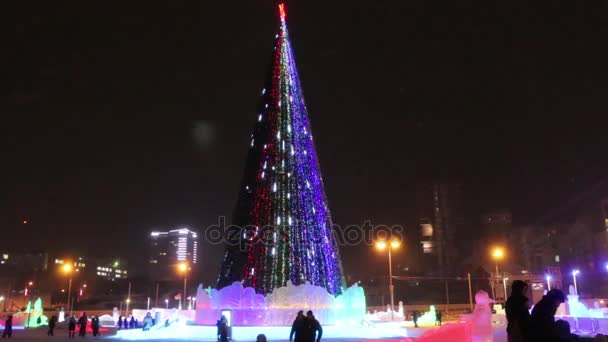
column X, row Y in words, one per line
column 311, row 328
column 8, row 327
column 542, row 320
column 82, row 324
column 296, row 327
column 516, row 309
column 52, row 323
column 222, row 329
column 72, row 326
column 95, row 325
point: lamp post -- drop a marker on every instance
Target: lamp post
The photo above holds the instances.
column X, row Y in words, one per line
column 167, row 304
column 504, row 286
column 67, row 269
column 183, row 268
column 498, row 253
column 574, row 274
column 128, row 300
column 394, row 244
column 548, row 277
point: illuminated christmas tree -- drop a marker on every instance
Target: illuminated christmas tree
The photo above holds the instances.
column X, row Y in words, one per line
column 286, row 226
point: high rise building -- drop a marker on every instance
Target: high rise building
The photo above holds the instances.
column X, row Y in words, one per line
column 170, row 248
column 440, row 216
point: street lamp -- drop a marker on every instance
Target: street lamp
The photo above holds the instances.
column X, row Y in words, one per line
column 548, row 277
column 504, row 286
column 67, row 269
column 167, row 304
column 394, row 244
column 183, row 268
column 574, row 274
column 498, row 253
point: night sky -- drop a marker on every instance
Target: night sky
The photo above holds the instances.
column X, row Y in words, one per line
column 117, row 119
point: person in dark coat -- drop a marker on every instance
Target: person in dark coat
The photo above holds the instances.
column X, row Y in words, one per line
column 542, row 320
column 516, row 309
column 296, row 327
column 52, row 323
column 95, row 325
column 8, row 327
column 82, row 324
column 132, row 322
column 311, row 328
column 438, row 318
column 415, row 318
column 72, row 326
column 222, row 329
column 119, row 322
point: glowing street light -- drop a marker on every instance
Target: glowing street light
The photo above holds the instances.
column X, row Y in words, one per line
column 548, row 278
column 166, row 304
column 382, row 245
column 574, row 274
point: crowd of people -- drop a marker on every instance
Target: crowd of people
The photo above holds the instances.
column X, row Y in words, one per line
column 82, row 325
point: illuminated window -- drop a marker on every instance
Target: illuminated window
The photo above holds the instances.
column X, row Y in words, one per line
column 556, row 258
column 427, row 247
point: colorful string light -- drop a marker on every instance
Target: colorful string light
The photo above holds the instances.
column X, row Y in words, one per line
column 282, row 204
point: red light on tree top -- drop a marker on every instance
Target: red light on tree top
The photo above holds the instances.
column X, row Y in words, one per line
column 282, row 10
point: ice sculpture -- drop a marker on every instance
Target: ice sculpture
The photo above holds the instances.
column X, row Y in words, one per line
column 280, row 307
column 481, row 319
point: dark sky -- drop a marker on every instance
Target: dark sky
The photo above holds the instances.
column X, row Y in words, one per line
column 118, row 118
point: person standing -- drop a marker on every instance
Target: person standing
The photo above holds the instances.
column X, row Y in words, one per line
column 296, row 327
column 312, row 330
column 119, row 322
column 8, row 327
column 82, row 324
column 52, row 323
column 438, row 318
column 415, row 318
column 147, row 322
column 132, row 322
column 72, row 326
column 95, row 325
column 222, row 329
column 516, row 309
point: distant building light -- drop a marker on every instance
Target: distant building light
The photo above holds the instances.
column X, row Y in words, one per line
column 154, row 234
column 556, row 258
column 4, row 256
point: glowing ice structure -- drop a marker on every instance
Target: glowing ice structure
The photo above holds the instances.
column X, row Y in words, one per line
column 280, row 307
column 20, row 319
column 578, row 309
column 272, row 315
column 383, row 316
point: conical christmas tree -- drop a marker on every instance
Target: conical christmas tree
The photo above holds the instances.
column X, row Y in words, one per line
column 282, row 228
